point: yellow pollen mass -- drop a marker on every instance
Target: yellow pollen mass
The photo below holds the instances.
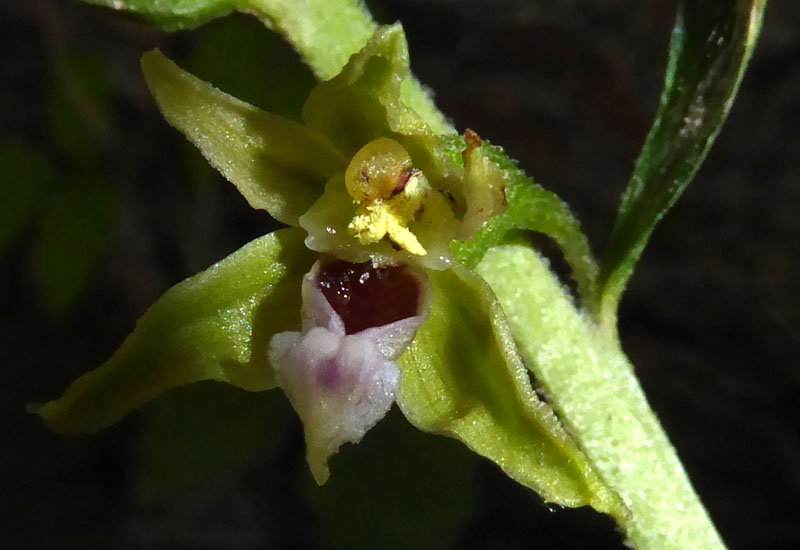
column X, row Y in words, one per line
column 389, row 193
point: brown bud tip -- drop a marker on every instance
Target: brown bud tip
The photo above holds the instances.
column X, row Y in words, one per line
column 473, row 140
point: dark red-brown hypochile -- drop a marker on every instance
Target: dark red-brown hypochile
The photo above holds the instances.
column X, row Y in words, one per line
column 365, row 296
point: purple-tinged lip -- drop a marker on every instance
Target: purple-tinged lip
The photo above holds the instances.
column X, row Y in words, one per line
column 339, row 370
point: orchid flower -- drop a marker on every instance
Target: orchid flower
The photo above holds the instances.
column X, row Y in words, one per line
column 406, row 275
column 366, row 300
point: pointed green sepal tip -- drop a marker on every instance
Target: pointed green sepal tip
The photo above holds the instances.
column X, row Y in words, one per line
column 215, row 325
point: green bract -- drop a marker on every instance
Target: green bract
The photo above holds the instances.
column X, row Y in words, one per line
column 711, row 46
column 462, row 376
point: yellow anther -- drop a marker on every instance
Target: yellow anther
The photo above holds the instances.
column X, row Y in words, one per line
column 389, row 193
column 375, row 171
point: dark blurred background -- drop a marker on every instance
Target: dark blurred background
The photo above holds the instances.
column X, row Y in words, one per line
column 103, row 207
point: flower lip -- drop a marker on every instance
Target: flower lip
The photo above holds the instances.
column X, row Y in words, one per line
column 339, row 371
column 330, row 378
column 367, row 296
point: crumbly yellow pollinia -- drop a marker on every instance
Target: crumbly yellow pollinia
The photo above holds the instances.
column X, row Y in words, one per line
column 389, row 193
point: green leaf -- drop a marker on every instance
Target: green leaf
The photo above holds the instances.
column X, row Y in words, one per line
column 24, row 173
column 398, row 486
column 200, row 432
column 278, row 165
column 462, row 378
column 533, row 208
column 711, row 45
column 372, row 98
column 325, row 32
column 73, row 235
column 213, row 326
column 593, row 389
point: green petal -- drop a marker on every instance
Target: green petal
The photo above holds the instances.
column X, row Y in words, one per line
column 278, row 165
column 325, row 32
column 462, row 377
column 213, row 326
column 373, row 97
column 594, row 390
column 533, row 208
column 711, row 45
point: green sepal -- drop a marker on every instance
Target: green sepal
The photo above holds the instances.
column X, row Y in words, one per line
column 462, row 377
column 531, row 207
column 325, row 32
column 278, row 165
column 215, row 325
column 711, row 46
column 374, row 97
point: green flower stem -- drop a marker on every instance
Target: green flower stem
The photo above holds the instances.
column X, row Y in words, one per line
column 593, row 389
